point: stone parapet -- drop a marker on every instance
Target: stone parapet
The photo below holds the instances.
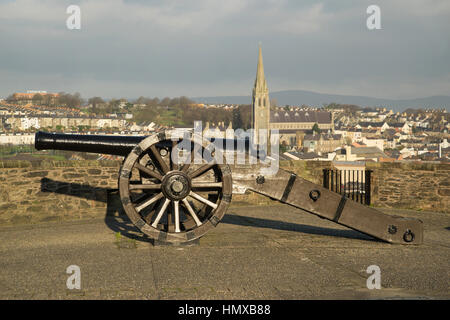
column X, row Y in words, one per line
column 34, row 191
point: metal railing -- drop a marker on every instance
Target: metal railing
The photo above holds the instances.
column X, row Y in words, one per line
column 355, row 184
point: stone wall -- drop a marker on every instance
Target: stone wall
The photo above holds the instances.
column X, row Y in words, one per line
column 60, row 190
column 411, row 185
column 309, row 170
column 66, row 190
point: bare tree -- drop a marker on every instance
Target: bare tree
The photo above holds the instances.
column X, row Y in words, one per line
column 95, row 101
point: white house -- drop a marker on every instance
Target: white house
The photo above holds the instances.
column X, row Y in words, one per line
column 28, row 123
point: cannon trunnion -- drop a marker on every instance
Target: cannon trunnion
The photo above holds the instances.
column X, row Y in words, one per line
column 174, row 189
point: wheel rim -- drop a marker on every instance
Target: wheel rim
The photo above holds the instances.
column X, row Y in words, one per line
column 169, row 201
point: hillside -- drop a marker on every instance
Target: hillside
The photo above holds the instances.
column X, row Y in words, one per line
column 299, row 97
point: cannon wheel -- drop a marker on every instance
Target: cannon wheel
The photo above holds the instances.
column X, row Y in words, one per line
column 174, row 202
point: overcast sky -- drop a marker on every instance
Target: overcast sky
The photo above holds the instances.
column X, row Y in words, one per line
column 207, row 47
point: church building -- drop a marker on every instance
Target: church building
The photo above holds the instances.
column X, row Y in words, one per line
column 290, row 121
column 260, row 102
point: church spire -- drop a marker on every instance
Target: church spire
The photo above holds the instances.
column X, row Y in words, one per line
column 260, row 102
column 260, row 81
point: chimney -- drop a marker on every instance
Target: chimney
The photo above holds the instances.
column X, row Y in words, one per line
column 348, row 152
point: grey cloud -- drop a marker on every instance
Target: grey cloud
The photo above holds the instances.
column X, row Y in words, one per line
column 206, row 47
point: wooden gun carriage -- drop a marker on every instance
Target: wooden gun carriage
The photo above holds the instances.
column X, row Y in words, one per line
column 174, row 189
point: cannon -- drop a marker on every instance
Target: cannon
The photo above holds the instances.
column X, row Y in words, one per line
column 175, row 187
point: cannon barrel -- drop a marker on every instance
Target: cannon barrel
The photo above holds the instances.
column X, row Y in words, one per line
column 106, row 144
column 119, row 145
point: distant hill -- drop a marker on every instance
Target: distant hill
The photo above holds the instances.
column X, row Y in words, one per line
column 299, row 97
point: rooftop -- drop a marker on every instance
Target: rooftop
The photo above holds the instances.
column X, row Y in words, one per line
column 311, row 116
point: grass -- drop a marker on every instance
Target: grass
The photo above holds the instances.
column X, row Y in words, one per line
column 49, row 157
column 123, row 243
column 36, row 156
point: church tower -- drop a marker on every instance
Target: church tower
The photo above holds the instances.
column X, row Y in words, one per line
column 260, row 101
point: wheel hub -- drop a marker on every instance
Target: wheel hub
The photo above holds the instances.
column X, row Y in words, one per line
column 176, row 185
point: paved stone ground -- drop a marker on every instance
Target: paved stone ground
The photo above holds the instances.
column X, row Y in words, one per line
column 271, row 252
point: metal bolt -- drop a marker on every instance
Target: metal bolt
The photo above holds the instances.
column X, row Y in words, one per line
column 177, row 186
column 314, row 195
column 163, row 152
column 260, row 180
column 392, row 229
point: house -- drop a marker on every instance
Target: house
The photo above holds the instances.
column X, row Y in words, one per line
column 401, row 127
column 323, row 143
column 378, row 126
column 354, row 134
column 304, row 156
column 350, row 153
column 374, row 142
column 219, row 130
column 27, row 98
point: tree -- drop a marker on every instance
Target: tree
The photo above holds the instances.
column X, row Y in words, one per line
column 47, row 100
column 38, row 98
column 246, row 116
column 237, row 119
column 315, row 128
column 154, row 102
column 94, row 101
column 142, row 100
column 283, row 147
column 10, row 98
column 69, row 100
column 113, row 105
column 184, row 101
column 165, row 102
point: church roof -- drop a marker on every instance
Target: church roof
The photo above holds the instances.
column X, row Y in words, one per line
column 300, row 116
column 316, row 137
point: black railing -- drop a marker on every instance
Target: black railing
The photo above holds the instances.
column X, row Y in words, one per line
column 355, row 184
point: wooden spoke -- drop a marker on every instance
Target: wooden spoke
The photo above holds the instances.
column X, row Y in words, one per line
column 174, row 164
column 169, row 205
column 202, row 170
column 207, row 186
column 160, row 161
column 148, row 171
column 160, row 213
column 186, row 166
column 201, row 199
column 176, row 205
column 145, row 186
column 138, row 197
column 145, row 204
column 191, row 212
